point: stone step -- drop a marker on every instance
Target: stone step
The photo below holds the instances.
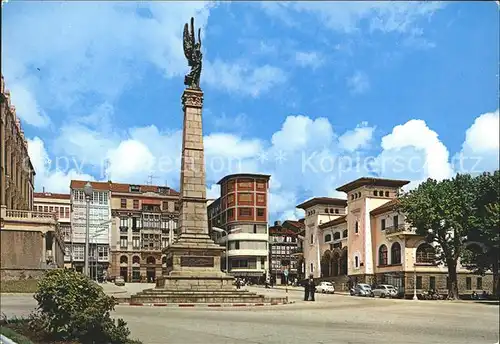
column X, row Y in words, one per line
column 221, row 291
column 198, row 299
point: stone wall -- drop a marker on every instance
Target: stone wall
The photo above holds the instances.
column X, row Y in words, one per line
column 441, row 282
column 21, row 249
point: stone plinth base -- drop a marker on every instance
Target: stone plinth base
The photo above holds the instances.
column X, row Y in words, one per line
column 209, row 296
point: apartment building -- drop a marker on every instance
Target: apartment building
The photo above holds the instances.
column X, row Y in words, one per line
column 30, row 241
column 371, row 242
column 242, row 212
column 99, row 226
column 59, row 205
column 144, row 222
column 284, row 251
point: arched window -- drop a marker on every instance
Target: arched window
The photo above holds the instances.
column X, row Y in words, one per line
column 375, row 193
column 344, row 234
column 123, row 260
column 136, row 260
column 382, row 255
column 326, row 210
column 336, row 211
column 356, row 227
column 164, row 260
column 387, row 194
column 396, row 253
column 426, row 254
column 336, row 236
column 328, row 238
column 151, row 260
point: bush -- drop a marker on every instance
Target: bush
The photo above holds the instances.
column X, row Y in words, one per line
column 73, row 307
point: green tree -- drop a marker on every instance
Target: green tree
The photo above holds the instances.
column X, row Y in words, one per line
column 485, row 256
column 443, row 212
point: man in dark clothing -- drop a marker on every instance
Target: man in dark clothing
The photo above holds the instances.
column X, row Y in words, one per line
column 306, row 291
column 312, row 287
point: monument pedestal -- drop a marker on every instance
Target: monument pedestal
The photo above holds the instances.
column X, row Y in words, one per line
column 193, row 272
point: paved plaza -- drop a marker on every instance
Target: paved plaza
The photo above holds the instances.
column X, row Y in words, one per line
column 331, row 319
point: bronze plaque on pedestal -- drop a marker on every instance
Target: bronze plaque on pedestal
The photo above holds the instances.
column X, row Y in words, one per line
column 198, row 262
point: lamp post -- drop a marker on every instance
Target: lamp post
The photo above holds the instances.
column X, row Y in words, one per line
column 220, row 230
column 87, row 190
column 415, row 298
column 93, row 238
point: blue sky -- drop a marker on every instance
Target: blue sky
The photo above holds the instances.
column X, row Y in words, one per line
column 314, row 93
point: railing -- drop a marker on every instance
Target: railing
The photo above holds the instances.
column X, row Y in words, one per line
column 28, row 215
column 400, row 229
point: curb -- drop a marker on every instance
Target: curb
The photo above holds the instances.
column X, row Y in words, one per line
column 200, row 305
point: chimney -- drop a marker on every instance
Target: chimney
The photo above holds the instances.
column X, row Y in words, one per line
column 277, row 223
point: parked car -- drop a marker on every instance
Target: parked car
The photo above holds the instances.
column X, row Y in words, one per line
column 119, row 281
column 385, row 290
column 362, row 289
column 325, row 288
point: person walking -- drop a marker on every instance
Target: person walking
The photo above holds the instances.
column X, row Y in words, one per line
column 311, row 287
column 306, row 291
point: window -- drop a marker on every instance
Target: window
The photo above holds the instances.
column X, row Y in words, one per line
column 230, row 199
column 396, row 253
column 356, row 262
column 176, row 206
column 356, row 227
column 336, row 236
column 260, row 212
column 381, row 193
column 328, row 238
column 165, row 205
column 78, row 252
column 136, row 204
column 123, row 223
column 66, row 212
column 230, row 213
column 336, row 211
column 255, row 229
column 245, row 211
column 123, row 242
column 352, row 196
column 261, row 185
column 425, row 254
column 103, row 253
column 135, row 188
column 164, row 242
column 261, row 198
column 244, row 184
column 468, row 283
column 245, row 197
column 419, row 282
column 382, row 255
column 479, row 283
column 136, row 242
column 326, row 210
column 312, row 268
column 395, row 221
column 312, row 239
column 45, row 209
column 375, row 193
column 345, row 233
column 387, row 194
column 432, row 283
column 382, row 224
column 123, row 203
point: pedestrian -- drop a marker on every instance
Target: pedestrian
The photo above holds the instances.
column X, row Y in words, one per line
column 312, row 287
column 306, row 291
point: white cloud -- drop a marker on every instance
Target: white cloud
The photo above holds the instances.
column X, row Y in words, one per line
column 242, row 78
column 26, row 105
column 360, row 137
column 213, row 192
column 415, row 150
column 129, row 159
column 481, row 146
column 308, row 59
column 53, row 175
column 358, row 83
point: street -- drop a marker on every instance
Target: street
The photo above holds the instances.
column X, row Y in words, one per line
column 331, row 319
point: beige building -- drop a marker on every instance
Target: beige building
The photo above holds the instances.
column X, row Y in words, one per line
column 30, row 240
column 59, row 205
column 144, row 222
column 369, row 241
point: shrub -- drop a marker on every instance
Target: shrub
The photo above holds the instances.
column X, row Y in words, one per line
column 73, row 307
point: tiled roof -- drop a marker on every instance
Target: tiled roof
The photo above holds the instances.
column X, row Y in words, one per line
column 335, row 222
column 323, row 200
column 51, row 195
column 120, row 187
column 386, row 207
column 244, row 175
column 297, row 224
column 372, row 181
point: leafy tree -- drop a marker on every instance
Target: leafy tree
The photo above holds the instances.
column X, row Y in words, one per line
column 443, row 212
column 485, row 256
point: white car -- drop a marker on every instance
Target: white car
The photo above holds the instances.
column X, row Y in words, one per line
column 385, row 290
column 325, row 288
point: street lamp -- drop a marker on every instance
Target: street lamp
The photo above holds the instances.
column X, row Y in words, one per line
column 96, row 234
column 87, row 190
column 220, row 230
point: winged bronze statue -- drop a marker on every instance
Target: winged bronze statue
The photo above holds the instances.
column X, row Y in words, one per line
column 192, row 51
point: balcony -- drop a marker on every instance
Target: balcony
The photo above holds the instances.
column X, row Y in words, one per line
column 401, row 229
column 30, row 216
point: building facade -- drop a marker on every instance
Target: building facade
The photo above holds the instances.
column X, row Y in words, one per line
column 284, row 245
column 99, row 226
column 144, row 222
column 30, row 240
column 372, row 243
column 59, row 205
column 242, row 212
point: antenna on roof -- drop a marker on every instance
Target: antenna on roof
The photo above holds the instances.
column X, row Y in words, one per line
column 150, row 179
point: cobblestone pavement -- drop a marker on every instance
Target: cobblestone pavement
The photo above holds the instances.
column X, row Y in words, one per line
column 331, row 319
